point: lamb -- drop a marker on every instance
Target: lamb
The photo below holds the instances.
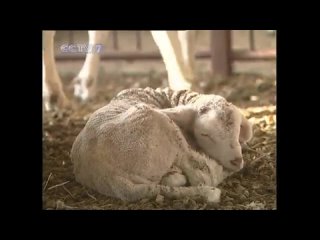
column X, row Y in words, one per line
column 145, row 142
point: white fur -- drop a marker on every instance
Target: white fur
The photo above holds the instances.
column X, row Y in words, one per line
column 128, row 147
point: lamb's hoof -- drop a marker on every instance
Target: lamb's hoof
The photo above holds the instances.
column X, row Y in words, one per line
column 174, row 180
column 212, row 195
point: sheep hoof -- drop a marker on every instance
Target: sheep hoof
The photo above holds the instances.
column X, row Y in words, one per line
column 212, row 195
column 84, row 88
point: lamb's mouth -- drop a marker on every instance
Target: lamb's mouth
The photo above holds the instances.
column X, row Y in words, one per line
column 216, row 160
column 219, row 162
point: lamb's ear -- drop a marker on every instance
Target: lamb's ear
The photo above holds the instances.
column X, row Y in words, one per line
column 183, row 116
column 245, row 130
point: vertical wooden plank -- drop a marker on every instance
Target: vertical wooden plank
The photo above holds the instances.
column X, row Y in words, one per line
column 138, row 37
column 115, row 40
column 251, row 40
column 71, row 37
column 221, row 52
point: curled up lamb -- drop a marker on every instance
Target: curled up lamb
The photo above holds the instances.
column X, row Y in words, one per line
column 147, row 142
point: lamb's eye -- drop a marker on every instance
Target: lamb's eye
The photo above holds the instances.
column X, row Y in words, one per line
column 208, row 136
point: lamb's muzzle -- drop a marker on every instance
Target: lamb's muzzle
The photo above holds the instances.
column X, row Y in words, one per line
column 238, row 162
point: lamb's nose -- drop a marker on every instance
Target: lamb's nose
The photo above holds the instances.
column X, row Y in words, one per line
column 236, row 162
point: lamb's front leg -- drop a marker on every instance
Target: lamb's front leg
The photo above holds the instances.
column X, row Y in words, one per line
column 202, row 171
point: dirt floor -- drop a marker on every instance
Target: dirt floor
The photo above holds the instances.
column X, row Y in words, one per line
column 254, row 187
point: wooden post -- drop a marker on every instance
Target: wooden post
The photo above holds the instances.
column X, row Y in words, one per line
column 251, row 40
column 115, row 40
column 138, row 37
column 71, row 38
column 221, row 52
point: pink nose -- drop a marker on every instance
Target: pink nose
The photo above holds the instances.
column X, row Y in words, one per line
column 236, row 162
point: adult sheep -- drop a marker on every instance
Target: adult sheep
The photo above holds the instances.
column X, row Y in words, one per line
column 177, row 49
column 137, row 146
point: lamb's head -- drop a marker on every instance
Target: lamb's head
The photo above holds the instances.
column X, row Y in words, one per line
column 220, row 129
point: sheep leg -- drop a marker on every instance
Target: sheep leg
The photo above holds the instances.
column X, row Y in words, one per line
column 174, row 179
column 202, row 171
column 54, row 97
column 126, row 190
column 198, row 171
column 171, row 51
column 187, row 41
column 85, row 82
